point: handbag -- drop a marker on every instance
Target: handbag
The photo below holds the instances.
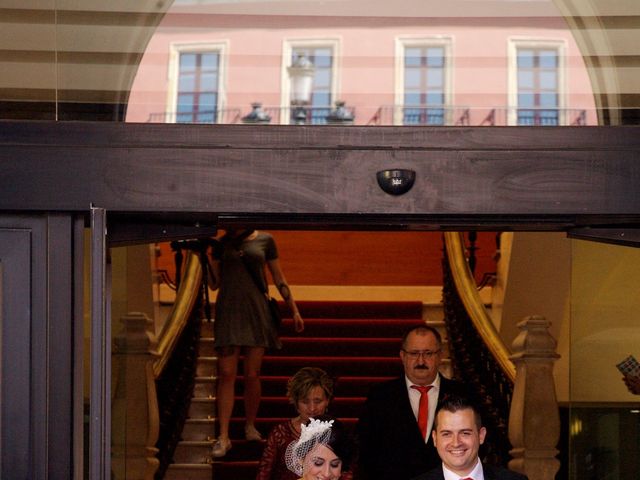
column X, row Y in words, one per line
column 276, row 315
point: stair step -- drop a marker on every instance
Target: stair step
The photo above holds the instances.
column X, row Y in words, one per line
column 363, row 328
column 264, row 425
column 345, row 386
column 302, row 344
column 202, row 408
column 357, row 343
column 360, row 327
column 368, row 366
column 206, row 329
column 356, row 309
column 326, row 346
column 204, row 387
column 206, row 366
column 199, row 429
column 188, row 471
column 205, row 347
column 433, row 313
column 280, row 406
column 202, row 411
column 193, row 451
column 316, row 346
column 243, row 450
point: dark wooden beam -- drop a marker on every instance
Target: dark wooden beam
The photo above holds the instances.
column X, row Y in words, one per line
column 493, row 178
column 628, row 237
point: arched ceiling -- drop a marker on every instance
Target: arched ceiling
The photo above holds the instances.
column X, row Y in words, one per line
column 76, row 59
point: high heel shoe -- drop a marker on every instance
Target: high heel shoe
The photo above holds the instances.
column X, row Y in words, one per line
column 251, row 434
column 220, row 448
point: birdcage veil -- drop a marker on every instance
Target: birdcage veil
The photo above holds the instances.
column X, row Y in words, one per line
column 316, row 432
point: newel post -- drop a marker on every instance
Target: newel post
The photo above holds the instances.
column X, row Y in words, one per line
column 534, row 418
column 135, row 406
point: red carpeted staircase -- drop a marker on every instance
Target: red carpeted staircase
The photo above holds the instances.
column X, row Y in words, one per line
column 355, row 342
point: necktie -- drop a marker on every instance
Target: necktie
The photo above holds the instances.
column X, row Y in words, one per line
column 423, row 410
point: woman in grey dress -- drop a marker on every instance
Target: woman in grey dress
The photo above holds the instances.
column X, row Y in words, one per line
column 243, row 322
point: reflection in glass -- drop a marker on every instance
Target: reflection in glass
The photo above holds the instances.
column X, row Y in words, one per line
column 111, row 60
column 605, row 434
column 423, row 66
column 424, row 95
column 321, row 87
column 197, row 99
column 537, row 87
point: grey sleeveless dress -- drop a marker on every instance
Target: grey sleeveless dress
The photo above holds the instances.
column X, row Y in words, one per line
column 241, row 315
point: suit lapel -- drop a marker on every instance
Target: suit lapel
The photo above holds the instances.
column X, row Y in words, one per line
column 489, row 473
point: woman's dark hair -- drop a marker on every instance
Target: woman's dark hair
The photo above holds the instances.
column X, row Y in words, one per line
column 339, row 441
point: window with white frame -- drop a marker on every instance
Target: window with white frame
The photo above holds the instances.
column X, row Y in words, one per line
column 538, row 86
column 198, row 87
column 322, row 90
column 424, row 85
column 423, row 81
column 536, row 82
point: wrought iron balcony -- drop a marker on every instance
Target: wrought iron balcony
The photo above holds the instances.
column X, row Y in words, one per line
column 221, row 115
column 530, row 117
column 427, row 115
column 420, row 115
column 447, row 115
column 313, row 115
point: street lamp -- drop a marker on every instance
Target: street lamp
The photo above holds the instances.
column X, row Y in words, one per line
column 301, row 74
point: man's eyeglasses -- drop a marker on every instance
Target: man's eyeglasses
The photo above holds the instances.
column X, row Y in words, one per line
column 426, row 354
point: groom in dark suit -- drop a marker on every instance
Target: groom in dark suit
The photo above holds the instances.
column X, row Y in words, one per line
column 393, row 432
column 457, row 435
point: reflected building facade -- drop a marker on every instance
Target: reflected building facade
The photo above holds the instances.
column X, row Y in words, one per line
column 206, row 66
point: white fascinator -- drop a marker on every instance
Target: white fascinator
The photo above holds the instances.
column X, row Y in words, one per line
column 314, row 433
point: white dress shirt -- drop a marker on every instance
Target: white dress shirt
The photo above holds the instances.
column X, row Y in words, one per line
column 414, row 398
column 476, row 474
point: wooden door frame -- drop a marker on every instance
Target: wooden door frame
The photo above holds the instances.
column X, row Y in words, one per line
column 162, row 182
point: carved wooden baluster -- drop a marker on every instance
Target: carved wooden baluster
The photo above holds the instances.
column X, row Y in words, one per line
column 534, row 419
column 135, row 407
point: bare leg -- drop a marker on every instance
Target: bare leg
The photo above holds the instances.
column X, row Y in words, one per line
column 252, row 387
column 227, row 371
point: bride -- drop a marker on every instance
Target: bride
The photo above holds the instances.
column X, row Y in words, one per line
column 321, row 452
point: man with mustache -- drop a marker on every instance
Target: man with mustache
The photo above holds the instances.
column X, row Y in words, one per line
column 394, row 432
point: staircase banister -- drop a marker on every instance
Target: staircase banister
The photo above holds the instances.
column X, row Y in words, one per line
column 466, row 287
column 186, row 297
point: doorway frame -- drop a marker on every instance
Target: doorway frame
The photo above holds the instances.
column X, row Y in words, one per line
column 160, row 182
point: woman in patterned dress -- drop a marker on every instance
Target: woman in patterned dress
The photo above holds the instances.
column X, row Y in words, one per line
column 310, row 391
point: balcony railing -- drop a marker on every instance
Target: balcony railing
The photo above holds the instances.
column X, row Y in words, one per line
column 410, row 115
column 460, row 115
column 421, row 115
column 529, row 117
column 314, row 115
column 222, row 115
